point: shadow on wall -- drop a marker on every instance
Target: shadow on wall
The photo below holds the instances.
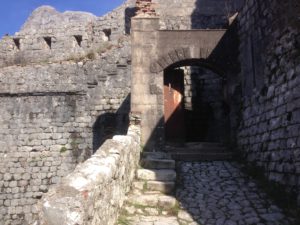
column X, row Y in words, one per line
column 109, row 124
column 129, row 13
column 226, row 56
column 214, row 14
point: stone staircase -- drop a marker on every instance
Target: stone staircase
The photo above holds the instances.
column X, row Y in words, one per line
column 151, row 197
column 151, row 200
column 199, row 151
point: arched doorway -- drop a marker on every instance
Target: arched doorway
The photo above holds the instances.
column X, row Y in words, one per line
column 194, row 104
column 153, row 52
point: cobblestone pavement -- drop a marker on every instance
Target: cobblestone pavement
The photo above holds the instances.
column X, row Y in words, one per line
column 214, row 193
column 218, row 193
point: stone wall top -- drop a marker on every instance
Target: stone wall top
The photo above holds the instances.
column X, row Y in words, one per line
column 49, row 35
column 94, row 193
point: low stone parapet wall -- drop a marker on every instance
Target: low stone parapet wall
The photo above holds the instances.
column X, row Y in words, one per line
column 95, row 191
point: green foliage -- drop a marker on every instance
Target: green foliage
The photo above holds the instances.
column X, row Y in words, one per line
column 104, row 47
column 91, row 55
column 145, row 186
column 122, row 220
column 63, row 149
column 174, row 211
column 142, row 147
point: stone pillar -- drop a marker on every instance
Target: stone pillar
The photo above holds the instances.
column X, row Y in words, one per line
column 145, row 26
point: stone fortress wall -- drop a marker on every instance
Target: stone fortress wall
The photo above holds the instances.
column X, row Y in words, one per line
column 270, row 68
column 65, row 85
column 61, row 36
column 195, row 14
column 95, row 191
column 65, row 88
column 59, row 102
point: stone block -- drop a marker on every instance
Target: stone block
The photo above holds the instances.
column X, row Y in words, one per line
column 158, row 175
column 158, row 164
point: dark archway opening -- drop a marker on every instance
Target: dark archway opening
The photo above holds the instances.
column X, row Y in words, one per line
column 194, row 105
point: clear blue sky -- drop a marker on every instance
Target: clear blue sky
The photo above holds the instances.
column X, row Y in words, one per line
column 13, row 13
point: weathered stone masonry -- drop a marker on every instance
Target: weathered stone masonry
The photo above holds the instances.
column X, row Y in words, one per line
column 268, row 84
column 95, row 191
column 63, row 81
column 64, row 90
column 270, row 70
column 58, row 104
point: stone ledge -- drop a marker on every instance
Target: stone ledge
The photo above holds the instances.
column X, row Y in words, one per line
column 95, row 191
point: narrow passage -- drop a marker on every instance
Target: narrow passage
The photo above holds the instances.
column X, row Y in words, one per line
column 214, row 193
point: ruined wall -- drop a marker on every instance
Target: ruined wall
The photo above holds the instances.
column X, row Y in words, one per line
column 270, row 69
column 94, row 193
column 58, row 104
column 64, row 36
column 45, row 132
column 195, row 14
column 191, row 14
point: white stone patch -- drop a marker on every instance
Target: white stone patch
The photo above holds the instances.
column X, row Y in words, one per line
column 93, row 171
column 78, row 183
column 114, row 151
column 125, row 140
column 74, row 218
column 47, row 204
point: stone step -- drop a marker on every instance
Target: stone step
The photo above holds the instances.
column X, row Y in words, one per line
column 145, row 192
column 191, row 157
column 155, row 155
column 156, row 175
column 158, row 163
column 166, row 187
column 204, row 144
column 196, row 148
column 152, row 220
column 199, row 150
column 152, row 200
column 196, row 145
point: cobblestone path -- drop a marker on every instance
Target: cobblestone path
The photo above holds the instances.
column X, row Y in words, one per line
column 217, row 193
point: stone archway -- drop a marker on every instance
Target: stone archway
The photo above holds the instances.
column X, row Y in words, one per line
column 185, row 56
column 194, row 107
column 153, row 51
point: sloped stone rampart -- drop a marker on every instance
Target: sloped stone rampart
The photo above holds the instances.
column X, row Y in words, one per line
column 95, row 191
column 54, row 116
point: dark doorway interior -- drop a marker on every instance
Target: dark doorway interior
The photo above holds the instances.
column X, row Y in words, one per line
column 195, row 110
